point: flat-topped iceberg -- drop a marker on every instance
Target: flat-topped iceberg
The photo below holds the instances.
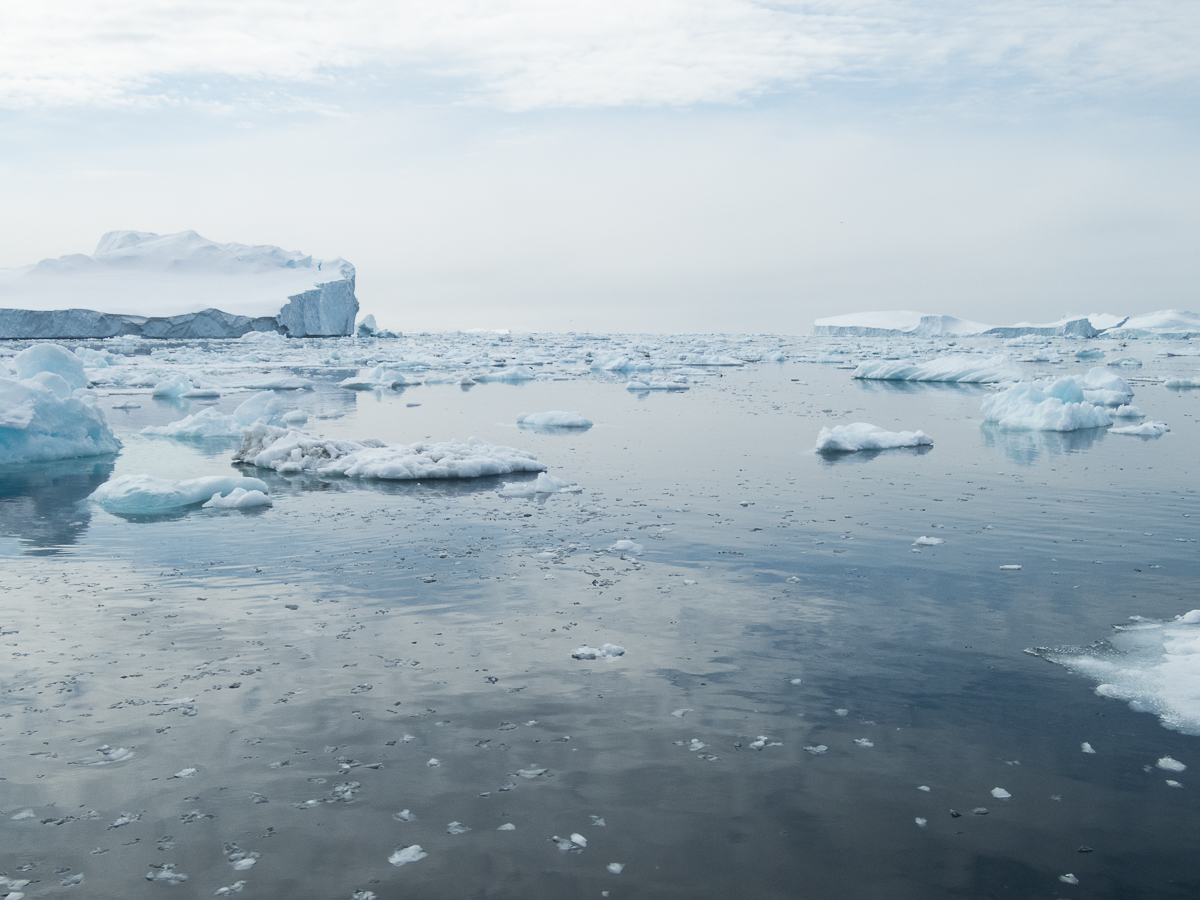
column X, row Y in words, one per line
column 958, row 367
column 895, row 322
column 1044, row 406
column 288, row 451
column 864, row 436
column 46, row 413
column 555, row 418
column 167, row 286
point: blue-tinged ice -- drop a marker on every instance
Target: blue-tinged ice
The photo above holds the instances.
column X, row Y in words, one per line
column 147, row 495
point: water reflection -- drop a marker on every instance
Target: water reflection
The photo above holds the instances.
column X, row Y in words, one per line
column 854, row 457
column 884, row 386
column 40, row 502
column 1024, row 447
column 554, row 429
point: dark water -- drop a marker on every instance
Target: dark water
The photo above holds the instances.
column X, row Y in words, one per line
column 437, row 620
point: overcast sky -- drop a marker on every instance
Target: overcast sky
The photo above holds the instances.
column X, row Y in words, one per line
column 655, row 165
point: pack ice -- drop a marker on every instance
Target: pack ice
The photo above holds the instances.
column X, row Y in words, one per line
column 165, row 286
column 47, row 413
column 283, row 450
column 864, row 436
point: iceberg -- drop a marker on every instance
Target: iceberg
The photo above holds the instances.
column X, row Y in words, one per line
column 146, row 495
column 960, row 368
column 1044, row 406
column 283, row 450
column 864, row 436
column 163, row 286
column 46, row 412
column 264, row 407
column 554, row 418
column 1105, row 388
column 896, row 323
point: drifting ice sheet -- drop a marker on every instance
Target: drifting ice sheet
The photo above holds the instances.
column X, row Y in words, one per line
column 146, row 495
column 958, row 368
column 294, row 451
column 1153, row 666
column 864, row 436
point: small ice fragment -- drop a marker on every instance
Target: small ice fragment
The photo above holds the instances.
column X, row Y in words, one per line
column 72, row 880
column 457, row 828
column 184, row 773
column 530, row 773
column 404, row 815
column 23, row 814
column 1086, row 747
column 1009, row 568
column 1000, row 793
column 235, row 888
column 626, row 546
column 697, row 744
column 433, row 763
column 577, row 838
column 168, row 874
column 815, row 749
column 1068, row 879
column 842, row 712
column 507, row 826
column 864, row 742
column 615, row 868
column 923, row 541
column 364, row 895
column 979, row 811
column 245, row 863
column 1171, row 782
column 797, row 681
column 680, row 713
column 603, row 651
column 598, row 821
column 921, row 823
column 408, row 854
column 923, row 787
column 1171, row 765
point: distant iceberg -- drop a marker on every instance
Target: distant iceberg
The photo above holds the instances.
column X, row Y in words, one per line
column 901, row 323
column 165, row 286
column 554, row 418
column 961, row 368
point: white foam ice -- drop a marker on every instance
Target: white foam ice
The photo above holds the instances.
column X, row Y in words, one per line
column 1153, row 666
column 604, row 651
column 864, row 436
column 290, row 451
column 958, row 368
column 1044, row 406
column 543, row 484
column 555, row 418
column 1145, row 429
column 147, row 495
column 47, row 413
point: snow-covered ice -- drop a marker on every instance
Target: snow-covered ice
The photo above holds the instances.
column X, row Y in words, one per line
column 604, row 651
column 1044, row 406
column 555, row 418
column 1145, row 429
column 543, row 484
column 147, row 495
column 864, row 436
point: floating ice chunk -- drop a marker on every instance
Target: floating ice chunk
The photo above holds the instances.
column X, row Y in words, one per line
column 842, row 712
column 509, row 374
column 184, row 773
column 625, row 546
column 1145, row 429
column 1068, row 879
column 236, row 887
column 923, row 541
column 545, row 484
column 796, row 681
column 570, row 843
column 697, row 745
column 1085, row 747
column 1106, row 388
column 1126, row 412
column 507, row 826
column 763, row 741
column 680, row 713
column 42, row 418
column 23, row 814
column 457, row 828
column 408, row 854
column 1171, row 765
column 864, row 436
column 530, row 773
column 923, row 787
column 1127, row 362
column 1173, row 783
column 610, row 651
column 864, row 742
column 555, row 418
column 815, row 749
column 293, row 451
column 961, row 368
column 653, row 385
column 1000, row 793
column 175, row 386
column 125, row 819
column 147, row 495
column 1182, row 382
column 615, row 868
column 167, row 873
column 238, row 498
column 404, row 815
column 598, row 821
column 921, row 823
column 433, row 762
column 51, row 358
column 1044, row 406
column 1010, row 568
column 1153, row 666
column 295, row 418
column 204, row 424
column 577, row 838
column 109, row 755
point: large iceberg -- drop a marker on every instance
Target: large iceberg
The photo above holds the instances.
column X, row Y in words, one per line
column 165, row 286
column 46, row 412
column 1044, row 406
column 269, row 447
column 962, row 368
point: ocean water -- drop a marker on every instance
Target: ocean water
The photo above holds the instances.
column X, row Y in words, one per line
column 310, row 661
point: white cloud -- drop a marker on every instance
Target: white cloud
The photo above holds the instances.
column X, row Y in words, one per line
column 530, row 54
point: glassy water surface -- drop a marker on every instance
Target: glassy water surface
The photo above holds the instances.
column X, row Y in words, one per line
column 273, row 703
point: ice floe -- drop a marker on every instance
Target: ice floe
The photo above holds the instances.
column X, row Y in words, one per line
column 604, row 651
column 554, row 419
column 1145, row 429
column 864, row 436
column 405, row 855
column 238, row 498
column 289, row 451
column 958, row 368
column 147, row 495
column 1044, row 406
column 543, row 484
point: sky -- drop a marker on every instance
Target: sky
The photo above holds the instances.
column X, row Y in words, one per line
column 659, row 165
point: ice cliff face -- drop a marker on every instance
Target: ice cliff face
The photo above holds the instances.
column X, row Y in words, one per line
column 167, row 286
